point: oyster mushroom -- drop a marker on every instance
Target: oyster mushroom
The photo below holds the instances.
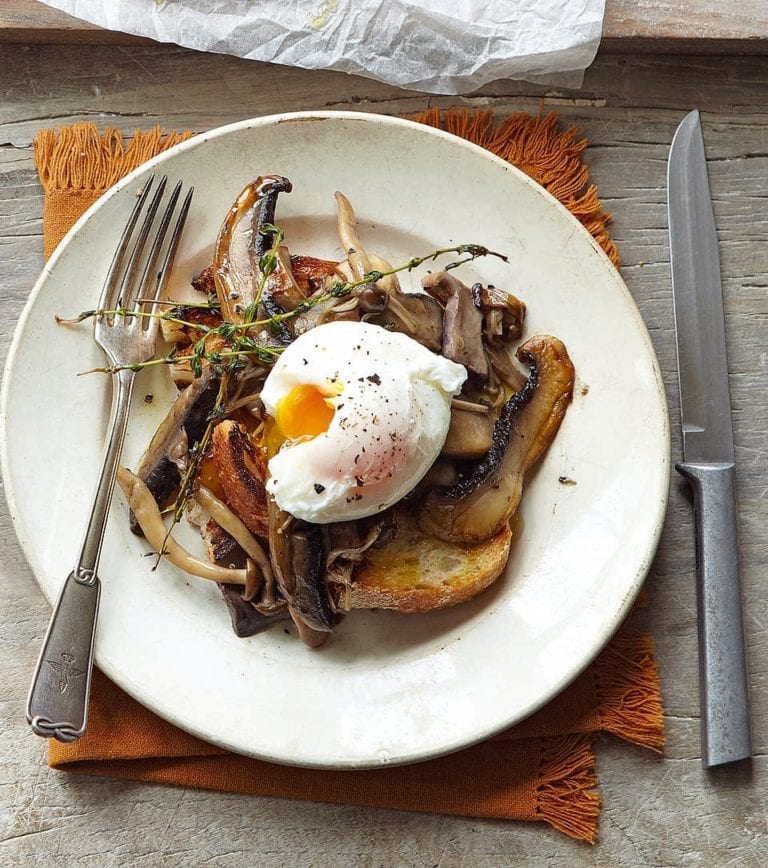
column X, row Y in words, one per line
column 478, row 505
column 416, row 315
column 182, row 427
column 413, row 314
column 462, row 337
column 503, row 313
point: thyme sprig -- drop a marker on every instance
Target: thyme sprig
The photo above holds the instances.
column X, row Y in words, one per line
column 342, row 288
column 238, row 337
column 198, row 305
column 130, row 313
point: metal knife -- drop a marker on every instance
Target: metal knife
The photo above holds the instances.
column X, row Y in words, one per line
column 708, row 448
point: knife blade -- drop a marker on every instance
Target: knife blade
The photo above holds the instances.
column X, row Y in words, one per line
column 709, row 463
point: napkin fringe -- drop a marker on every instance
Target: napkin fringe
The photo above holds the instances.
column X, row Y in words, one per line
column 565, row 795
column 536, row 146
column 627, row 687
column 78, row 157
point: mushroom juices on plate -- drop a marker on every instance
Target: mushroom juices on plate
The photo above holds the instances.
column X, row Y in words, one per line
column 340, row 442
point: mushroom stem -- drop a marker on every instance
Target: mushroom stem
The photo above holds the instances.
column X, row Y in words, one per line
column 469, row 406
column 150, row 520
column 227, row 519
column 346, row 224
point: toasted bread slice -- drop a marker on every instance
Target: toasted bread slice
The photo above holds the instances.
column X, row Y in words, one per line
column 415, row 572
column 242, row 472
column 220, row 547
column 412, row 572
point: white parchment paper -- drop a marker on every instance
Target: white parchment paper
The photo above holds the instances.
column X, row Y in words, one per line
column 438, row 46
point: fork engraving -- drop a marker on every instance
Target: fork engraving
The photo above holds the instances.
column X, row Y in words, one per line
column 65, row 670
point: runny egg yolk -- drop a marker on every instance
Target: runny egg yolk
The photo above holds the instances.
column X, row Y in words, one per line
column 304, row 412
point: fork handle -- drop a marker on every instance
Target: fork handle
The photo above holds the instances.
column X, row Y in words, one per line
column 58, row 699
column 88, row 561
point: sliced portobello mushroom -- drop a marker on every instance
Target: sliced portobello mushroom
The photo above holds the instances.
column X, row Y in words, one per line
column 278, row 329
column 242, row 243
column 182, row 428
column 298, row 559
column 308, row 591
column 478, row 505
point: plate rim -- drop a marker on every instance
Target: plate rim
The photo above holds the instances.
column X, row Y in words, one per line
column 661, row 497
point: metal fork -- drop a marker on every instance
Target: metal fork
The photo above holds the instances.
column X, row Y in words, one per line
column 58, row 698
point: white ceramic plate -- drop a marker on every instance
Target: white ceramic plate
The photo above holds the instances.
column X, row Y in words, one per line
column 388, row 688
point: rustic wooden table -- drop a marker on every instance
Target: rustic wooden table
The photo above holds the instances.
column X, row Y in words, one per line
column 657, row 811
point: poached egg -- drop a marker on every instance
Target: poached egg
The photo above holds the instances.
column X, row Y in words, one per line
column 362, row 412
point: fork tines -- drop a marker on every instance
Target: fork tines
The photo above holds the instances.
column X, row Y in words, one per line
column 121, row 288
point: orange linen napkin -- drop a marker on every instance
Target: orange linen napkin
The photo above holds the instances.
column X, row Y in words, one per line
column 542, row 769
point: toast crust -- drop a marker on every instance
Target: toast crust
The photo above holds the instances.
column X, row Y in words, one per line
column 415, row 572
column 242, row 471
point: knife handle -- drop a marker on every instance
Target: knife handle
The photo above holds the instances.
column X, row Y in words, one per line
column 723, row 684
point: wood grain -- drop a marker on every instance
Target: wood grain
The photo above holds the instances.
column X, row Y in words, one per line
column 29, row 21
column 701, row 26
column 664, row 26
column 657, row 811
